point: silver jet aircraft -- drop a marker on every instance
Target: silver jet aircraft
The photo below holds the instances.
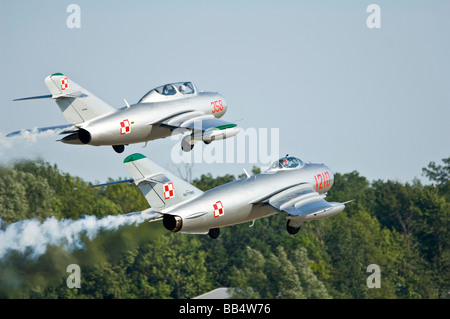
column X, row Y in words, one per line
column 171, row 108
column 289, row 187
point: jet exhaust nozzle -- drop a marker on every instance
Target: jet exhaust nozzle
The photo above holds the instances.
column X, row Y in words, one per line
column 84, row 136
column 172, row 222
column 81, row 136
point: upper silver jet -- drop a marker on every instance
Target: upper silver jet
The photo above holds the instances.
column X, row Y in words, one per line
column 171, row 108
column 289, row 187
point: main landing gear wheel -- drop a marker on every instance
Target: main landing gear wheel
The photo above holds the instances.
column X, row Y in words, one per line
column 214, row 233
column 186, row 146
column 119, row 148
column 292, row 230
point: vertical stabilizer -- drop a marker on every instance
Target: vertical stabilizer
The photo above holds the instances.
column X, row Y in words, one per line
column 77, row 104
column 161, row 188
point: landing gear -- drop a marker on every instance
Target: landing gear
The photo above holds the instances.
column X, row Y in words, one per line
column 119, row 148
column 292, row 227
column 187, row 144
column 214, row 233
column 187, row 147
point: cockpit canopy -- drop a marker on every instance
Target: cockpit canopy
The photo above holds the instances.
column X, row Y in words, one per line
column 287, row 162
column 169, row 92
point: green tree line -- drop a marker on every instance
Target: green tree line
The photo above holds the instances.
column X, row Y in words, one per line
column 401, row 227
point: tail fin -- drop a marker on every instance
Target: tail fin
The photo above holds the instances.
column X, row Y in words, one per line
column 77, row 104
column 161, row 188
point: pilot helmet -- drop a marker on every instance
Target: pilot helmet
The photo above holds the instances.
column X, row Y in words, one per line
column 182, row 88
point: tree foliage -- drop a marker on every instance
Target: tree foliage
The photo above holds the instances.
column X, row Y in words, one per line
column 402, row 228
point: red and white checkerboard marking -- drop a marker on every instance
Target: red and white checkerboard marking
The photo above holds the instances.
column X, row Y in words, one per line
column 64, row 84
column 218, row 209
column 168, row 190
column 124, row 127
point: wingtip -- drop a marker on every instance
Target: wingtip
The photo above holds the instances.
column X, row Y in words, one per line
column 133, row 157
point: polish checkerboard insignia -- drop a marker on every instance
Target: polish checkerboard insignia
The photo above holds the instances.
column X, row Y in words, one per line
column 218, row 209
column 64, row 84
column 124, row 127
column 168, row 190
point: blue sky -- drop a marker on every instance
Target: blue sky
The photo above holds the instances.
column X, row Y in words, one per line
column 372, row 100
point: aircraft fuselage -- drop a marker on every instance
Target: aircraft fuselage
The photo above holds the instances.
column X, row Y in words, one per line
column 140, row 122
column 243, row 200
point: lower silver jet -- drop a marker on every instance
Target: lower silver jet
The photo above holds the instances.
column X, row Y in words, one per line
column 289, row 187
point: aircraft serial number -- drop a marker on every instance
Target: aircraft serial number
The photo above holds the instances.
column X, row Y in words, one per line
column 217, row 106
column 322, row 180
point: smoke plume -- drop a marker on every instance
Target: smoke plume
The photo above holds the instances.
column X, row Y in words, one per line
column 26, row 136
column 31, row 236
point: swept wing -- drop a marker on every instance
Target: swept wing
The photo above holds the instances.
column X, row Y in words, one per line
column 203, row 126
column 301, row 202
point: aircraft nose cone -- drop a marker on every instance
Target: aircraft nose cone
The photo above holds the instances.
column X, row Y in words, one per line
column 331, row 172
column 224, row 103
column 331, row 176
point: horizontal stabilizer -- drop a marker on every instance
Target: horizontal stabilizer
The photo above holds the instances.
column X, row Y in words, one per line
column 70, row 94
column 159, row 178
column 126, row 181
column 48, row 96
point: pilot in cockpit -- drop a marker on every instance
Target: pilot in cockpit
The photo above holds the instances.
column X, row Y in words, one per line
column 182, row 88
column 168, row 90
column 288, row 162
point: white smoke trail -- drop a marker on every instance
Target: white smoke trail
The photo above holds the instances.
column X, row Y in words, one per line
column 32, row 236
column 26, row 136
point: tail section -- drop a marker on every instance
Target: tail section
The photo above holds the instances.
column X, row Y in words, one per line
column 77, row 104
column 161, row 188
